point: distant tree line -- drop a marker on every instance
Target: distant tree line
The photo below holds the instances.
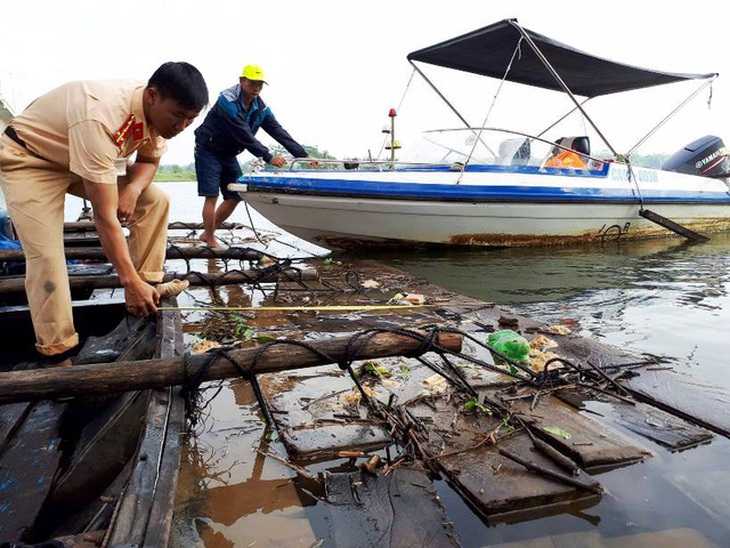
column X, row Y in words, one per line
column 640, row 160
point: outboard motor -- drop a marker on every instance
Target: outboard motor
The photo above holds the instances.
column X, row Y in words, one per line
column 707, row 157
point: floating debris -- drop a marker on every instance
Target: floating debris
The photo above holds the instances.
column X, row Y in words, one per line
column 559, row 330
column 205, row 345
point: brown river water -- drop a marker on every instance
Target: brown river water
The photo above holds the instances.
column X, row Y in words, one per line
column 661, row 298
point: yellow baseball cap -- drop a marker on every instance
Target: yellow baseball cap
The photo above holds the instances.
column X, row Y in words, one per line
column 253, row 72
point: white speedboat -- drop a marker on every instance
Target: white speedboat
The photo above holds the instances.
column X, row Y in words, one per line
column 494, row 187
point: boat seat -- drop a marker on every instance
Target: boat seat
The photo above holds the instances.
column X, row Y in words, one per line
column 573, row 156
column 514, row 152
column 580, row 144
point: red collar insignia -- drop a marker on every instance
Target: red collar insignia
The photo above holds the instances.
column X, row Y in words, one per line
column 121, row 134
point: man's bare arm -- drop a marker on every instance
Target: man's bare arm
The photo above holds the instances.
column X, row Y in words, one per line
column 139, row 177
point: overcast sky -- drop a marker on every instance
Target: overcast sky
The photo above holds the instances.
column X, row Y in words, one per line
column 335, row 68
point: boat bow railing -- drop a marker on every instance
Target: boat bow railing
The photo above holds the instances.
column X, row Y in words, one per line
column 507, row 147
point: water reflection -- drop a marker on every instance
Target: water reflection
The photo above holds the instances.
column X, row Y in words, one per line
column 509, row 276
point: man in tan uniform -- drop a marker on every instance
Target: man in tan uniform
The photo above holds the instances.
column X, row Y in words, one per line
column 73, row 140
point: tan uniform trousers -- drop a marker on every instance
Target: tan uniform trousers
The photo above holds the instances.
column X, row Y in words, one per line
column 35, row 191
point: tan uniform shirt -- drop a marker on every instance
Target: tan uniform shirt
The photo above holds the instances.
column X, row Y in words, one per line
column 87, row 126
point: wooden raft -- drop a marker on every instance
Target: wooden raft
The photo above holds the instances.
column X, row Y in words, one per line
column 517, row 492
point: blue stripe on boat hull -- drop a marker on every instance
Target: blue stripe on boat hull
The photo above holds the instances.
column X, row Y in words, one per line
column 478, row 193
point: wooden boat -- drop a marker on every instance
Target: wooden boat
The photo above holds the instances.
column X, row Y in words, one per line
column 106, row 463
column 495, row 187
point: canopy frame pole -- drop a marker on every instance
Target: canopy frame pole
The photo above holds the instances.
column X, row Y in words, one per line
column 452, row 107
column 671, row 114
column 438, row 92
column 563, row 117
column 562, row 84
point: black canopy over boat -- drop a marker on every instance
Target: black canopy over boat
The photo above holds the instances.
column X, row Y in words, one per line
column 490, row 51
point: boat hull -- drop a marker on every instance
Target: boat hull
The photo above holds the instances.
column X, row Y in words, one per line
column 344, row 224
column 487, row 208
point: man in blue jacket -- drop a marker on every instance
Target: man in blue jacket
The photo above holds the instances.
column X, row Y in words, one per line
column 230, row 128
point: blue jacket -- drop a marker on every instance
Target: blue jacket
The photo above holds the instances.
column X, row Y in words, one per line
column 229, row 129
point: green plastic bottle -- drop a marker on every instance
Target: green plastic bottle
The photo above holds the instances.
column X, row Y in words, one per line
column 510, row 344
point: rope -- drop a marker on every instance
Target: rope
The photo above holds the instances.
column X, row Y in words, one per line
column 190, row 389
column 250, row 220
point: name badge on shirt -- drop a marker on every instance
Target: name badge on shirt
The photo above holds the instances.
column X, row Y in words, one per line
column 120, row 164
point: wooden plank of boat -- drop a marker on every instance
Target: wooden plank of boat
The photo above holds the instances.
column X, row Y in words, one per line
column 12, row 415
column 111, row 427
column 27, row 468
column 159, row 523
column 398, row 509
column 145, row 510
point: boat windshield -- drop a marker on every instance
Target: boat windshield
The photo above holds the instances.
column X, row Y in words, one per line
column 499, row 147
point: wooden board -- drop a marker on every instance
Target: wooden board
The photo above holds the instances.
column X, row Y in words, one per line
column 649, row 422
column 593, row 445
column 145, row 511
column 27, row 468
column 307, row 420
column 495, row 486
column 663, row 426
column 690, row 398
column 400, row 509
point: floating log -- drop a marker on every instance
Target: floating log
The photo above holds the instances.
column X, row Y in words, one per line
column 40, row 384
column 79, row 226
column 176, row 252
column 16, row 284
